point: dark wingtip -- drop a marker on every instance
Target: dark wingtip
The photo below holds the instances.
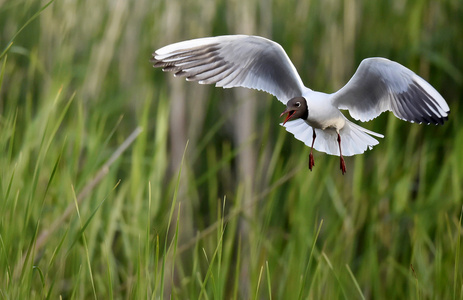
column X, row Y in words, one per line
column 440, row 121
column 444, row 119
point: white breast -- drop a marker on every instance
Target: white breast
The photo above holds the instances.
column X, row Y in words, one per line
column 322, row 114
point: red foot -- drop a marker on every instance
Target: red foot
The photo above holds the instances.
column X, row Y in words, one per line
column 343, row 166
column 311, row 161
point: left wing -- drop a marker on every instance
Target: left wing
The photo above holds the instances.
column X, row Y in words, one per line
column 379, row 85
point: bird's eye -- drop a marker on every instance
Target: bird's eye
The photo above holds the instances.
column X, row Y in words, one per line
column 298, row 104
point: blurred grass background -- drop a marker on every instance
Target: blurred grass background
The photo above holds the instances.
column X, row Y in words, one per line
column 235, row 214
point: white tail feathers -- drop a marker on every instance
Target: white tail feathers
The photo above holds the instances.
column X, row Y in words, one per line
column 354, row 139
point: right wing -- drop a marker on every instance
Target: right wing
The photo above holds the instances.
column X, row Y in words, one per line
column 231, row 61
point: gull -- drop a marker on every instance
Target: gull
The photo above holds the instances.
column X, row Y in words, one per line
column 313, row 117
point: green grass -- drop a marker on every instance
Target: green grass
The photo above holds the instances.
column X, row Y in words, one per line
column 118, row 181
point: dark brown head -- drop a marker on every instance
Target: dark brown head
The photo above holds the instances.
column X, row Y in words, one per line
column 296, row 108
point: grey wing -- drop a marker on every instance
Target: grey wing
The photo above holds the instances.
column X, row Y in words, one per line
column 232, row 61
column 380, row 85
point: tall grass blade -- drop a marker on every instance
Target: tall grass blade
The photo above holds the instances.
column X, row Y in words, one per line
column 357, row 286
column 457, row 272
column 330, row 265
column 269, row 282
column 258, row 283
column 84, row 226
column 306, row 273
column 89, row 265
column 172, row 208
column 24, row 26
column 237, row 270
column 2, row 73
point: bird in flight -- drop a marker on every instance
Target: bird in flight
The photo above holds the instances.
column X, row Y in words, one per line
column 313, row 117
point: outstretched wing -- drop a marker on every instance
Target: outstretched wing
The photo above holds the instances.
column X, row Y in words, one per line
column 231, row 61
column 379, row 85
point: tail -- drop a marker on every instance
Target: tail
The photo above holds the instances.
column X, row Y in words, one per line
column 354, row 139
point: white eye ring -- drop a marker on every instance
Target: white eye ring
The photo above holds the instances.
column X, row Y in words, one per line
column 298, row 104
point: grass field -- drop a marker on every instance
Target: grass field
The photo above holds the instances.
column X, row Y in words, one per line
column 118, row 181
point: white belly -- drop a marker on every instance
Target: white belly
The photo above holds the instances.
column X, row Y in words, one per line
column 334, row 123
column 322, row 114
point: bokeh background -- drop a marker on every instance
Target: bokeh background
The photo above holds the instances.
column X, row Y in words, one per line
column 213, row 199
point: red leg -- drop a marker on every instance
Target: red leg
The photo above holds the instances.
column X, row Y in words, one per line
column 343, row 164
column 311, row 160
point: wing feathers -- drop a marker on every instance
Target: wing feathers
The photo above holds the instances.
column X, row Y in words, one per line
column 230, row 61
column 379, row 85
